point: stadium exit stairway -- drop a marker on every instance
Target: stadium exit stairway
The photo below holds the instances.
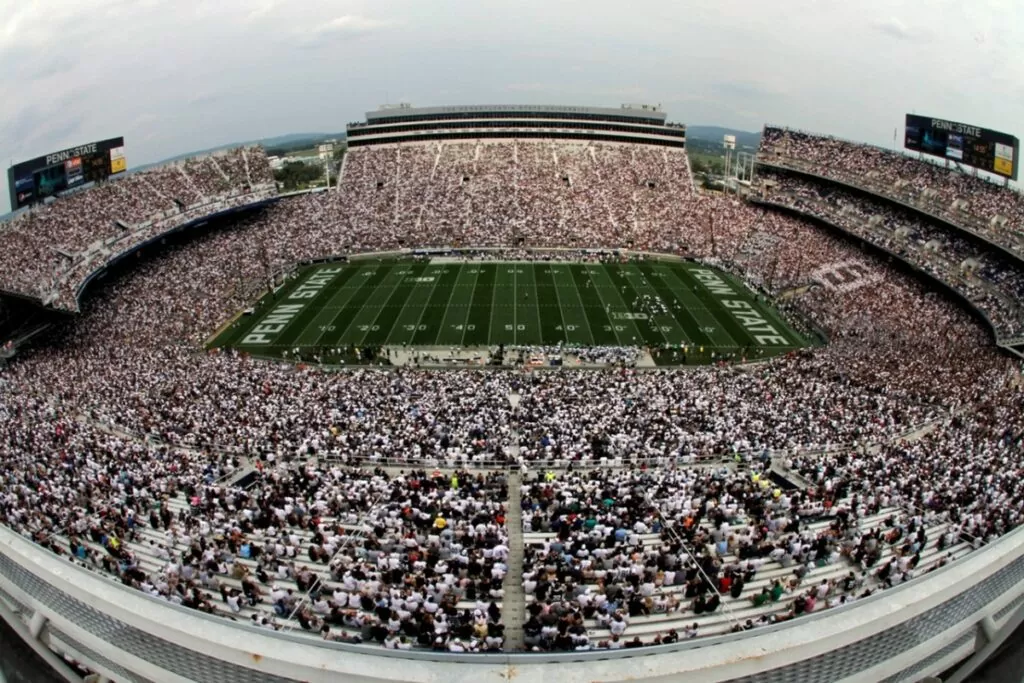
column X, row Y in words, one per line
column 513, row 600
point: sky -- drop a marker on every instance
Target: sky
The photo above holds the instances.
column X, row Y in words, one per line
column 173, row 76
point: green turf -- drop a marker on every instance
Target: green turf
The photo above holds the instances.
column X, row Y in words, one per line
column 436, row 303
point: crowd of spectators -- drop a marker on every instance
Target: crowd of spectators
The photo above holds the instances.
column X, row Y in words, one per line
column 110, row 427
column 48, row 250
column 960, row 196
column 498, row 193
column 986, row 276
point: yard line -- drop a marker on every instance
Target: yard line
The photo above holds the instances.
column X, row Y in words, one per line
column 410, row 311
column 439, row 274
column 551, row 331
column 452, row 331
column 515, row 305
column 502, row 332
column 699, row 322
column 532, row 330
column 480, row 308
column 289, row 338
column 618, row 328
column 714, row 316
column 452, row 291
column 343, row 293
column 623, row 318
column 364, row 310
column 768, row 310
column 594, row 307
column 630, row 281
column 406, row 293
column 437, row 302
column 578, row 310
column 266, row 305
column 667, row 322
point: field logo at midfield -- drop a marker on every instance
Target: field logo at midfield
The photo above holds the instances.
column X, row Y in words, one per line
column 846, row 276
column 763, row 332
column 284, row 313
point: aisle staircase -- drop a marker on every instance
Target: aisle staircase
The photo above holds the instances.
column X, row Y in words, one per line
column 513, row 601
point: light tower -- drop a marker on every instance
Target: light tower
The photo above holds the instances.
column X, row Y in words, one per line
column 326, row 154
column 729, row 143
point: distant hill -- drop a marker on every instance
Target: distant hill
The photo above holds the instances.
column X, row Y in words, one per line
column 715, row 133
column 281, row 143
column 295, row 138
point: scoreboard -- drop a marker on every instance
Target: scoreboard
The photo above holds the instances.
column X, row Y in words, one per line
column 981, row 148
column 33, row 181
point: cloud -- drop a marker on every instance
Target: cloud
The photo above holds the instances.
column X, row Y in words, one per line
column 529, row 87
column 350, row 25
column 347, row 26
column 748, row 89
column 892, row 27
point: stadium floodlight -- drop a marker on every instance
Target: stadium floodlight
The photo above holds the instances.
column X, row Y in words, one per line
column 729, row 143
column 327, row 153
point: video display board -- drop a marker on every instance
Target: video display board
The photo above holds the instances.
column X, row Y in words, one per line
column 981, row 148
column 35, row 180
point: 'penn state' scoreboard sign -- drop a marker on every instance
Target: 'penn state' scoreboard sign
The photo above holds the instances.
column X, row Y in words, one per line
column 34, row 180
column 981, row 148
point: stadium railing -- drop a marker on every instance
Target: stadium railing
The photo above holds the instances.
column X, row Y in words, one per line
column 966, row 223
column 1000, row 339
column 116, row 248
column 917, row 629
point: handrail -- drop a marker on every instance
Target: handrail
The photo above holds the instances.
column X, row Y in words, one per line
column 955, row 222
column 996, row 336
column 360, row 534
column 767, row 647
column 896, row 153
column 686, row 548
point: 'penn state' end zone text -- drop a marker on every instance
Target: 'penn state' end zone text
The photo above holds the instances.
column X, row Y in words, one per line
column 283, row 314
column 763, row 333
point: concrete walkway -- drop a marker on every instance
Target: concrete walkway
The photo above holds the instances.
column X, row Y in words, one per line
column 514, row 603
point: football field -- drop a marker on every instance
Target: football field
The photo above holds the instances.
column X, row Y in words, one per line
column 445, row 303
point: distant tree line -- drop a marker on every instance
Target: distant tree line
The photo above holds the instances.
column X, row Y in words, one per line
column 295, row 175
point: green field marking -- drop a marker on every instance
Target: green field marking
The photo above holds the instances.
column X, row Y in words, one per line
column 362, row 310
column 478, row 322
column 394, row 313
column 647, row 332
column 372, row 275
column 740, row 337
column 576, row 325
column 593, row 307
column 407, row 318
column 419, row 303
column 527, row 306
column 503, row 305
column 672, row 291
column 515, row 304
column 456, row 316
column 667, row 324
column 428, row 326
column 614, row 305
column 323, row 320
column 233, row 335
column 768, row 311
column 552, row 321
column 290, row 335
column 691, row 292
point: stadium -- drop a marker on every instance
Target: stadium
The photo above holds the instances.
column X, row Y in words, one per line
column 514, row 395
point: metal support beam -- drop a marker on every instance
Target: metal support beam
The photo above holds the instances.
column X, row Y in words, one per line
column 36, row 625
column 988, row 627
column 995, row 641
column 59, row 666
